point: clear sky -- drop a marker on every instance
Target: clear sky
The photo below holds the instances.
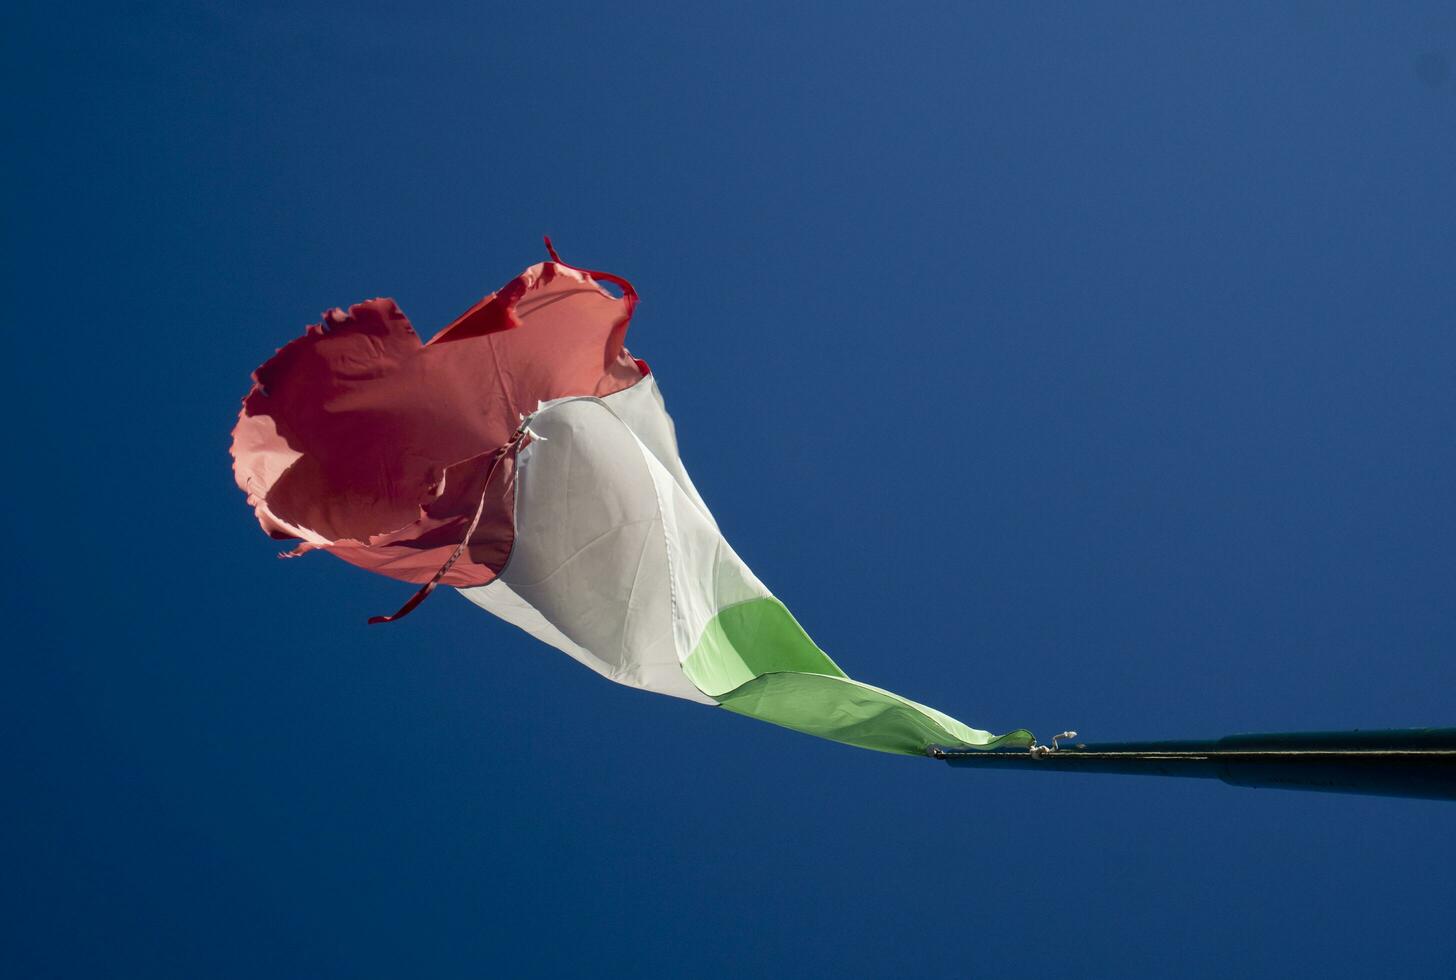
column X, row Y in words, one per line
column 1069, row 366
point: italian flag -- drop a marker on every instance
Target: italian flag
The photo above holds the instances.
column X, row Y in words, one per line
column 524, row 457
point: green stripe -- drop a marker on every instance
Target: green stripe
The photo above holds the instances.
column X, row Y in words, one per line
column 750, row 638
column 757, row 661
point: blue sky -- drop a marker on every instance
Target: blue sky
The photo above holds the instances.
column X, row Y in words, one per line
column 1061, row 367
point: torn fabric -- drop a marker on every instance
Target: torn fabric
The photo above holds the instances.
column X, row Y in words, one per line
column 526, row 458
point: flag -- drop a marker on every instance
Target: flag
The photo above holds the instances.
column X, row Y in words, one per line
column 524, row 457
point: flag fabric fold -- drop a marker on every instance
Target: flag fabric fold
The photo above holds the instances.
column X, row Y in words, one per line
column 524, row 457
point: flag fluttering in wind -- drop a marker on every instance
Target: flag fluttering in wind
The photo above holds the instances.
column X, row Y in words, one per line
column 525, row 458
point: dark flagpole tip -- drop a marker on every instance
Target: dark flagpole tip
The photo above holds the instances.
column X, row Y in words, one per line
column 1418, row 763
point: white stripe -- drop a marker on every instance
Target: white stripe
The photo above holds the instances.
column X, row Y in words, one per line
column 616, row 560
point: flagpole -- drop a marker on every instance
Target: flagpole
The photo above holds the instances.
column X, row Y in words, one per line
column 1410, row 762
